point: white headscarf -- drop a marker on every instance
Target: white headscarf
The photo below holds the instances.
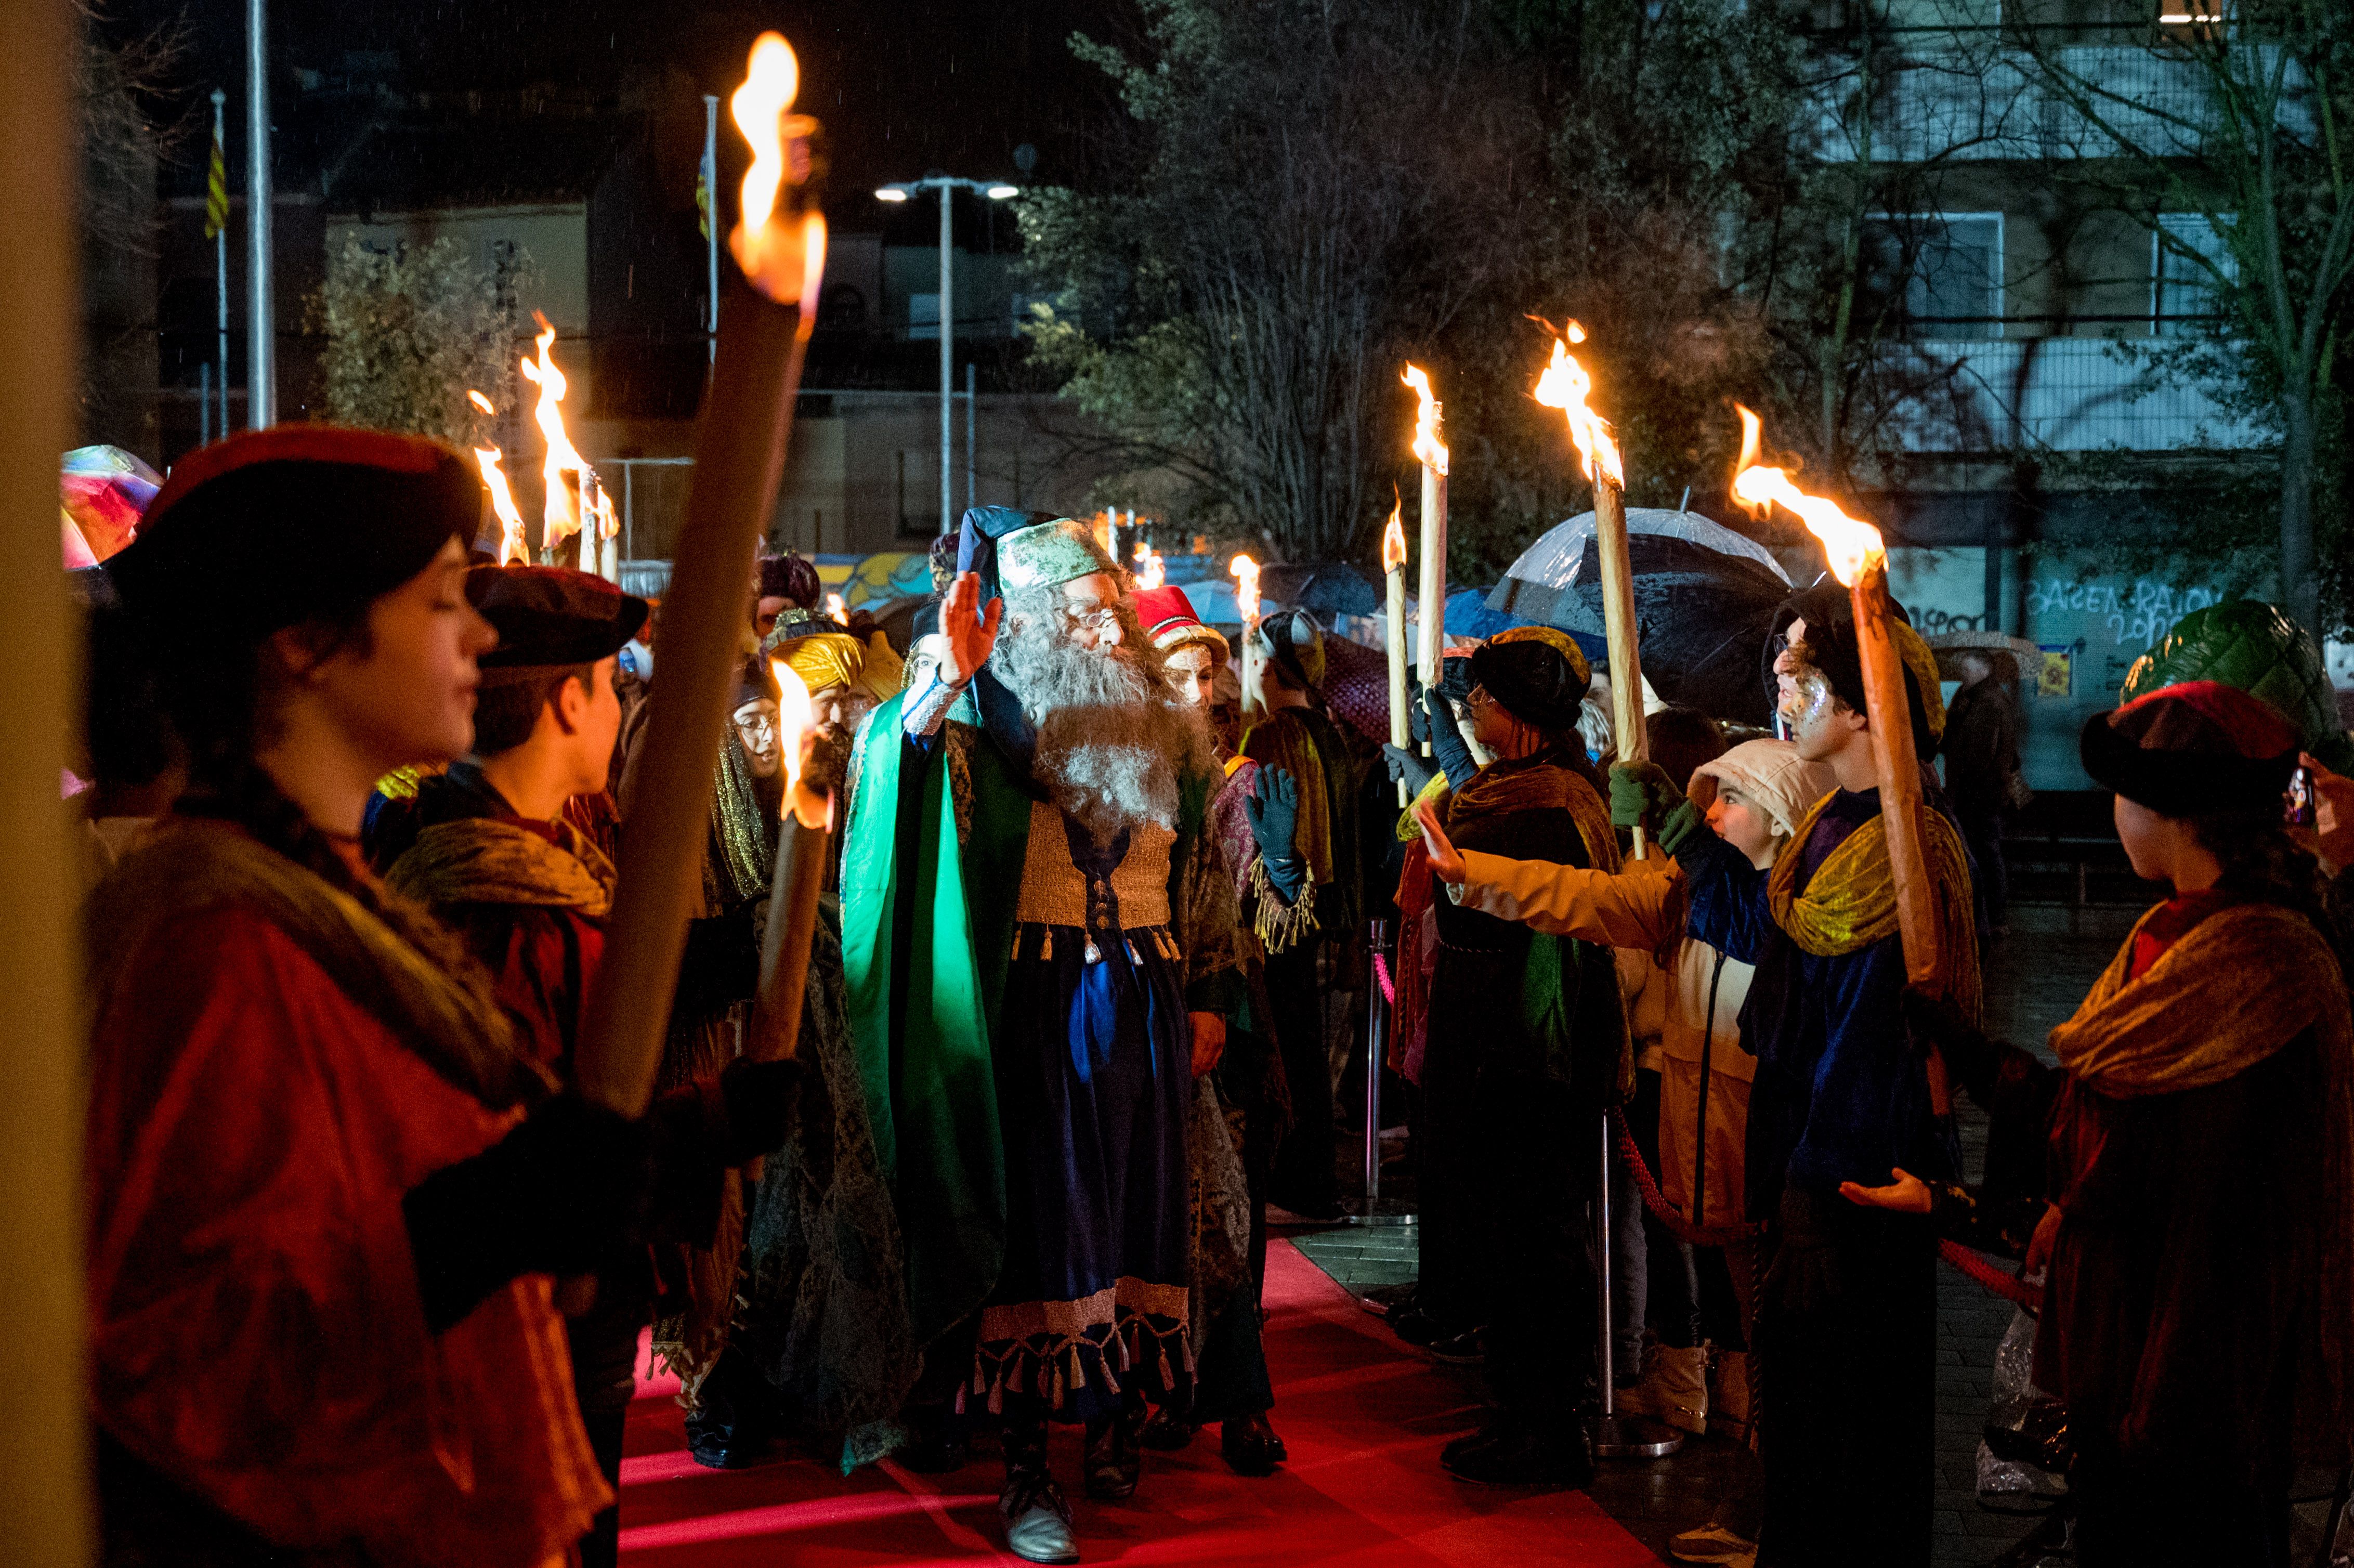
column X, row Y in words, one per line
column 1771, row 773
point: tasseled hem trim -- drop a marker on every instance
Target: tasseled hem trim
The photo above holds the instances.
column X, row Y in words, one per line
column 1055, row 1367
column 1279, row 924
column 1033, row 940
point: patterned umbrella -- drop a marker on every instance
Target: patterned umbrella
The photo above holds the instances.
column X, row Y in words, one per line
column 105, row 492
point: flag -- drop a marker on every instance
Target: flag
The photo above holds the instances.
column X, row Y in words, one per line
column 216, row 188
column 701, row 204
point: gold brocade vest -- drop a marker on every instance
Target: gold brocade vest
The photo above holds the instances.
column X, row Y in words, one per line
column 1121, row 891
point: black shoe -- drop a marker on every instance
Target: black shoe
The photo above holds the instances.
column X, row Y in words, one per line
column 1527, row 1458
column 1038, row 1521
column 1114, row 1463
column 733, row 1417
column 1382, row 1300
column 936, row 1442
column 1464, row 1350
column 1500, row 1425
column 1166, row 1433
column 1250, row 1446
column 1419, row 1328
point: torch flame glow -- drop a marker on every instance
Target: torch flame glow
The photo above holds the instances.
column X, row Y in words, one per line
column 1850, row 544
column 1429, row 450
column 1244, row 571
column 607, row 523
column 494, row 478
column 784, row 257
column 797, row 738
column 1563, row 386
column 1151, row 570
column 1393, row 540
column 560, row 515
column 485, row 404
column 835, row 609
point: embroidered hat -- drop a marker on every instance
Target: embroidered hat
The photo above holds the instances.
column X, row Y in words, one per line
column 2190, row 749
column 270, row 527
column 1168, row 618
column 550, row 615
column 1012, row 550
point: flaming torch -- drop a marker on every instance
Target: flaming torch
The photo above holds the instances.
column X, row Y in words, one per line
column 835, row 609
column 1393, row 577
column 802, row 852
column 502, row 502
column 1149, row 568
column 1244, row 571
column 608, row 539
column 1431, row 452
column 740, row 455
column 1860, row 561
column 1565, row 386
column 560, row 512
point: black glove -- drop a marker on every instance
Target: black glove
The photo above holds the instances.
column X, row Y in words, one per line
column 1273, row 807
column 721, row 965
column 1408, row 768
column 1973, row 1059
column 1448, row 746
column 760, row 1098
column 1804, row 1273
column 557, row 1195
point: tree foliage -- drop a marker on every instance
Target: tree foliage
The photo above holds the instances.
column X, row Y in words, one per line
column 410, row 331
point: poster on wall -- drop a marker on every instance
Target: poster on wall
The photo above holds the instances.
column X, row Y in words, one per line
column 2057, row 676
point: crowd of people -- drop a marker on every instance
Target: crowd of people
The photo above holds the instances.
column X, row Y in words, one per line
column 369, row 1268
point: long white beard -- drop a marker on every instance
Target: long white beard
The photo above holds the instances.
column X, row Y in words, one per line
column 1112, row 741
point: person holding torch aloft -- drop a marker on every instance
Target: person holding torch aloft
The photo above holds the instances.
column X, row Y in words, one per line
column 1846, row 1328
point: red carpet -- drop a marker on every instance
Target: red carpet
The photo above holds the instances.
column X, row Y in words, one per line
column 1364, row 1417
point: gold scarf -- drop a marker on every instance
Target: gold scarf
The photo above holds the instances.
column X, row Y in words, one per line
column 480, row 860
column 2236, row 988
column 1850, row 902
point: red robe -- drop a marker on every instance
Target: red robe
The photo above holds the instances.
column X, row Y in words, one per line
column 256, row 1329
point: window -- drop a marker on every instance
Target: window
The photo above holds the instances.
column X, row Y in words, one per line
column 1936, row 274
column 2181, row 286
column 924, row 318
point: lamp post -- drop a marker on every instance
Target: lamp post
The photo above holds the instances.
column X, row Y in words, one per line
column 261, row 327
column 946, row 186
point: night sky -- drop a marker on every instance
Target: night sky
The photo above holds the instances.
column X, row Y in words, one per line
column 902, row 87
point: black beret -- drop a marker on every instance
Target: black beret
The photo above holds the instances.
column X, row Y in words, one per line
column 270, row 528
column 550, row 615
column 1532, row 682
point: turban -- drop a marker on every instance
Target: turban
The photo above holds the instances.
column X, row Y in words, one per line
column 828, row 658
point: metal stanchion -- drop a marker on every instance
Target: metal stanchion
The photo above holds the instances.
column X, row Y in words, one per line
column 1617, row 1436
column 1377, row 1035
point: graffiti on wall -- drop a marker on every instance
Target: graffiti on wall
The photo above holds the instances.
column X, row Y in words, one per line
column 2135, row 617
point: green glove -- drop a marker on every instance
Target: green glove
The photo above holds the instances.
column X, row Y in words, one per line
column 1641, row 793
column 1683, row 825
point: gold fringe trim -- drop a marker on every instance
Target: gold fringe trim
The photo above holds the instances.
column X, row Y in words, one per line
column 1279, row 924
column 1056, row 1365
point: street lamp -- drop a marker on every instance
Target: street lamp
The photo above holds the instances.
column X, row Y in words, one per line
column 946, row 186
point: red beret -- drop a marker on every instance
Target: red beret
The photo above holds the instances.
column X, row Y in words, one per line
column 2195, row 748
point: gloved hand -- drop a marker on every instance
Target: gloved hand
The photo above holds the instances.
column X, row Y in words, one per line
column 1448, row 746
column 1273, row 807
column 1641, row 795
column 1682, row 826
column 760, row 1098
column 557, row 1195
column 1414, row 771
column 1804, row 1276
column 1974, row 1059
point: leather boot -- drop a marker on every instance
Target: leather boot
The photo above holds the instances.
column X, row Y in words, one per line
column 1115, row 1459
column 1036, row 1517
column 1728, row 1409
column 1677, row 1382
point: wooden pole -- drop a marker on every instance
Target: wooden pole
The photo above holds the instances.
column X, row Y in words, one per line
column 45, row 1490
column 1619, row 625
column 739, row 455
column 1432, row 611
column 1401, row 732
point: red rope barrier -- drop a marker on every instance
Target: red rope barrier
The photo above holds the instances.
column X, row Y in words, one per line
column 1382, row 973
column 1977, row 1267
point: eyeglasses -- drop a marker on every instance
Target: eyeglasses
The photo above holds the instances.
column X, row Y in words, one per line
column 1100, row 619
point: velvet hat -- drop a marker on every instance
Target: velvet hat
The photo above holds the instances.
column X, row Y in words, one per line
column 270, row 528
column 2191, row 749
column 1168, row 618
column 1537, row 673
column 550, row 615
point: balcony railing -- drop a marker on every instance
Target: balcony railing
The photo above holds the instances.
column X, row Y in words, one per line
column 2059, row 394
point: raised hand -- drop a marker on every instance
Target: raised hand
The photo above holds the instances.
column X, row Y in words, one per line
column 1273, row 807
column 1445, row 863
column 970, row 632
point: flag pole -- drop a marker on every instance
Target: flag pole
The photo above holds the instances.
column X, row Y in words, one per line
column 217, row 219
column 261, row 333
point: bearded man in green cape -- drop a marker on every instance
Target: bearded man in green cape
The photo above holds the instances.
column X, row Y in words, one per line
column 1039, row 946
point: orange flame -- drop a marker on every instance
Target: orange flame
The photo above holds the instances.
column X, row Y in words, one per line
column 1429, row 450
column 609, row 523
column 485, row 404
column 1563, row 386
column 494, row 478
column 1244, row 571
column 835, row 609
column 1151, row 570
column 560, row 514
column 1850, row 544
column 797, row 739
column 1394, row 539
column 783, row 258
